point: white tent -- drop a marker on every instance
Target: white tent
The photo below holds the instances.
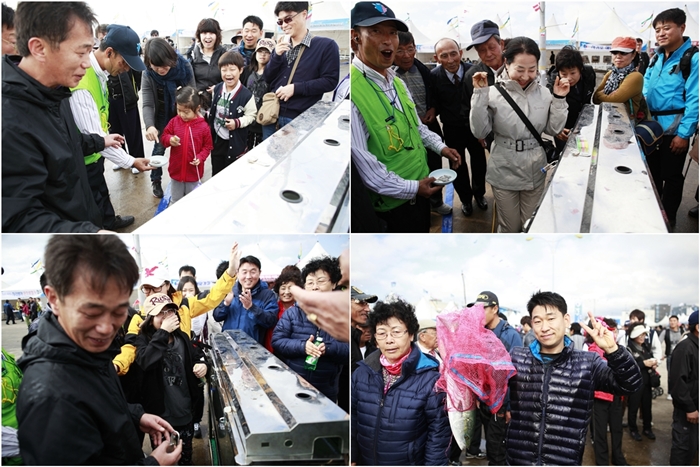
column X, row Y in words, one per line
column 609, row 28
column 556, row 39
column 25, row 288
column 315, row 252
column 450, row 307
column 424, row 44
column 691, row 24
column 269, row 270
column 425, row 309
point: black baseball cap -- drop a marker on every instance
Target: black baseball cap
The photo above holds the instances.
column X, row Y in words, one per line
column 487, row 298
column 357, row 294
column 125, row 42
column 371, row 13
column 482, row 31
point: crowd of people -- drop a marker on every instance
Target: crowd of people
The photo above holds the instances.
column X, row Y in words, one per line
column 94, row 365
column 202, row 103
column 563, row 386
column 504, row 105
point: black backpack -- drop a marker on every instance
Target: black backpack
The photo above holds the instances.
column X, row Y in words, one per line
column 684, row 64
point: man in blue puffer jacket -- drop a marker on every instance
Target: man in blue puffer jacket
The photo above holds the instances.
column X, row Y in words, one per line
column 551, row 397
column 250, row 306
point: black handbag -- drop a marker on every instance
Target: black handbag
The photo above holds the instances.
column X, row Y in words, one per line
column 654, row 379
column 550, row 151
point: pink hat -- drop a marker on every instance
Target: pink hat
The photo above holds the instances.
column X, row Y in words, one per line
column 624, row 44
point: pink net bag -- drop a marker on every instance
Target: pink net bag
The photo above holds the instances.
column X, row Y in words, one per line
column 475, row 362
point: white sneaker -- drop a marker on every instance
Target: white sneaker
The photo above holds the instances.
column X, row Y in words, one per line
column 115, row 167
column 669, row 398
column 134, row 170
column 444, row 209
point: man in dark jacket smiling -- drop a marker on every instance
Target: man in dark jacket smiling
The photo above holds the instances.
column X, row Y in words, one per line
column 44, row 181
column 551, row 397
column 71, row 409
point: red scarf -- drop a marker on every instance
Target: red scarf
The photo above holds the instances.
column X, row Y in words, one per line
column 394, row 369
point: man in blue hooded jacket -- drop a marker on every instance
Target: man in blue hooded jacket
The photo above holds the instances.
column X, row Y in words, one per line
column 250, row 306
column 551, row 396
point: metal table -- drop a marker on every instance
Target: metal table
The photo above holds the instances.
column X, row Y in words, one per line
column 602, row 183
column 294, row 182
column 262, row 412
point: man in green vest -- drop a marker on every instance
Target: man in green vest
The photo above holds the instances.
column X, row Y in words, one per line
column 388, row 139
column 90, row 107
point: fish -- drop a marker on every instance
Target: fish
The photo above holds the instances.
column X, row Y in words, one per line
column 462, row 425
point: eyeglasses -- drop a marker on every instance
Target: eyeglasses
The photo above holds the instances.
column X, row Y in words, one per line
column 286, row 19
column 617, row 52
column 380, row 336
column 319, row 282
column 147, row 289
column 408, row 51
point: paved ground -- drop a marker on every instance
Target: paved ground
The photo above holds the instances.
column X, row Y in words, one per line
column 646, row 452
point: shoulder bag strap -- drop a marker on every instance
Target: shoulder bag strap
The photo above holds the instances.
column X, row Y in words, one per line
column 520, row 113
column 296, row 62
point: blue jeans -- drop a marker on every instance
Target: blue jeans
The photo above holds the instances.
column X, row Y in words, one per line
column 268, row 130
column 158, row 150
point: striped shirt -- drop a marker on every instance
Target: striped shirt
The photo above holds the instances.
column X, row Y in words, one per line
column 87, row 117
column 374, row 174
column 293, row 52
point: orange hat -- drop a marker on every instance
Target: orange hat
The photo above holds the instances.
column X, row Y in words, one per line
column 624, row 44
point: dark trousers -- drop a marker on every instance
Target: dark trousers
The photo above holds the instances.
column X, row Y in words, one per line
column 477, row 157
column 475, row 445
column 10, row 316
column 98, row 185
column 641, row 398
column 219, row 156
column 411, row 217
column 684, row 441
column 607, row 413
column 495, row 433
column 127, row 123
column 186, row 435
column 667, row 172
column 456, row 138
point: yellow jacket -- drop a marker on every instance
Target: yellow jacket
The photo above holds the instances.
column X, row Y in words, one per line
column 190, row 308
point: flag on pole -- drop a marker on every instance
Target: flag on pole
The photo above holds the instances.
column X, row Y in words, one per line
column 36, row 267
column 575, row 28
column 453, row 22
column 536, row 7
column 504, row 24
column 299, row 255
column 648, row 22
column 310, row 12
column 648, row 19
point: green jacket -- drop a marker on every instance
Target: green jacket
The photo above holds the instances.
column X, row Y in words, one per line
column 388, row 141
column 11, row 379
column 91, row 83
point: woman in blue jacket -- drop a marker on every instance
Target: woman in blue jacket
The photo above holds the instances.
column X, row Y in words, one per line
column 294, row 336
column 397, row 418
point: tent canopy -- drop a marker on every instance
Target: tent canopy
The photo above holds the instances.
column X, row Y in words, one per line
column 25, row 288
column 316, row 252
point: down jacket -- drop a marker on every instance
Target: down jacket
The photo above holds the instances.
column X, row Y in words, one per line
column 509, row 169
column 551, row 404
column 406, row 426
column 289, row 342
column 70, row 408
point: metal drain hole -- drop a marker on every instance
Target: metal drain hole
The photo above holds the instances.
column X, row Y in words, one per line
column 291, row 196
column 331, row 142
column 623, row 170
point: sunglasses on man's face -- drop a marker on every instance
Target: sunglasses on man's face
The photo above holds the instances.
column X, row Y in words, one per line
column 286, row 19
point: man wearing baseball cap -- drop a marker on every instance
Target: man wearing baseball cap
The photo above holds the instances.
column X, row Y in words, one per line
column 90, row 106
column 489, row 45
column 359, row 309
column 389, row 141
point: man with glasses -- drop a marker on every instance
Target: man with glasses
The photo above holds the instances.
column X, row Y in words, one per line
column 318, row 70
column 250, row 306
column 388, row 139
column 156, row 282
column 118, row 53
column 416, row 76
column 671, row 91
column 359, row 310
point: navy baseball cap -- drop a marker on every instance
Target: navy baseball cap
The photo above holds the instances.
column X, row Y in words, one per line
column 371, row 13
column 125, row 42
column 487, row 298
column 482, row 31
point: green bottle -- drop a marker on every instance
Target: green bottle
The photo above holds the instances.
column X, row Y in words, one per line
column 311, row 361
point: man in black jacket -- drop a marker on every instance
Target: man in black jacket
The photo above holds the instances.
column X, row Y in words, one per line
column 551, row 396
column 489, row 46
column 359, row 307
column 416, row 76
column 70, row 408
column 447, row 97
column 44, row 181
column 684, row 390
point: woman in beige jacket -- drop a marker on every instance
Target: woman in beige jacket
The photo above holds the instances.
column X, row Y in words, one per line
column 514, row 167
column 623, row 82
